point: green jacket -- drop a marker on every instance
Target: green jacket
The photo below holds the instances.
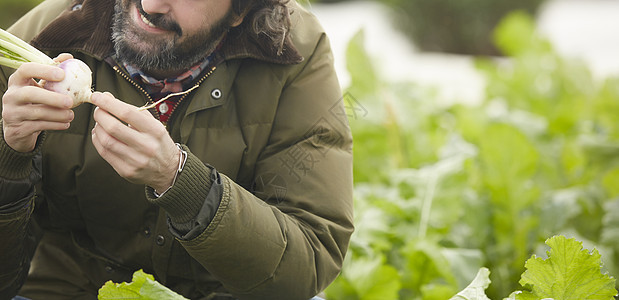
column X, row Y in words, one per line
column 270, row 160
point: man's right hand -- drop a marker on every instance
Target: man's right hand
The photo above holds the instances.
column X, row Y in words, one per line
column 28, row 108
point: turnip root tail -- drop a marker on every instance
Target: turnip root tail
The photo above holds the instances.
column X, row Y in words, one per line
column 152, row 105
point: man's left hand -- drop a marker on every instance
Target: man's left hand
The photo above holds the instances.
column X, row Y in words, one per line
column 134, row 143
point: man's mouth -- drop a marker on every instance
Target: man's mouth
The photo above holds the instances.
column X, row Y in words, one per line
column 146, row 21
column 158, row 22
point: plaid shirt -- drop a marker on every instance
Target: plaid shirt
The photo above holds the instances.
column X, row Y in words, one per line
column 158, row 89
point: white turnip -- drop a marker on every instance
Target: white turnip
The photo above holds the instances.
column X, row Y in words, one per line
column 78, row 77
column 76, row 83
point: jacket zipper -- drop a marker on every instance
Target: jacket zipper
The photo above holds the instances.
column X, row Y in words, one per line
column 150, row 99
column 136, row 85
column 195, row 86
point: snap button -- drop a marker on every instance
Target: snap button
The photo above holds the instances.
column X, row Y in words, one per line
column 216, row 94
column 146, row 232
column 163, row 108
column 160, row 240
column 76, row 7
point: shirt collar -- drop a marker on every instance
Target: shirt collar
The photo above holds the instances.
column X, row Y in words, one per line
column 173, row 84
column 188, row 75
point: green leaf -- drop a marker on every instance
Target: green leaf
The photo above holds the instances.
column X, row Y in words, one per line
column 143, row 287
column 610, row 183
column 386, row 286
column 516, row 34
column 476, row 290
column 501, row 146
column 570, row 272
column 359, row 65
column 426, row 255
column 610, row 231
column 436, row 291
column 341, row 289
column 366, row 278
column 373, row 279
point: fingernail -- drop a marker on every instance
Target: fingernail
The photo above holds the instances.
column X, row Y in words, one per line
column 68, row 101
column 95, row 97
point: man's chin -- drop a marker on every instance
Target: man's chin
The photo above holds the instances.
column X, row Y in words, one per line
column 147, row 43
column 141, row 49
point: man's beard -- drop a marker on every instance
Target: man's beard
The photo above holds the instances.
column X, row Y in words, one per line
column 163, row 54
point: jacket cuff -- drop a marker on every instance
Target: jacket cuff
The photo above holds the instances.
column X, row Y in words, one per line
column 16, row 165
column 186, row 198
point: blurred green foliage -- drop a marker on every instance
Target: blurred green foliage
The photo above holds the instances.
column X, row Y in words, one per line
column 442, row 190
column 453, row 26
column 456, row 26
column 11, row 10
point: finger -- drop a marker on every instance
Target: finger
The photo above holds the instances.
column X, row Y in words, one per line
column 141, row 121
column 114, row 127
column 37, row 95
column 102, row 145
column 137, row 141
column 33, row 127
column 116, row 153
column 62, row 57
column 106, row 144
column 26, row 72
column 48, row 125
column 40, row 113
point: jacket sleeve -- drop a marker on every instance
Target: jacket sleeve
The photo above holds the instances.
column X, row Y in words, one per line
column 287, row 239
column 14, row 253
column 18, row 174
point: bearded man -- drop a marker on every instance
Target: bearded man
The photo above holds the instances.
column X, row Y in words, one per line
column 237, row 187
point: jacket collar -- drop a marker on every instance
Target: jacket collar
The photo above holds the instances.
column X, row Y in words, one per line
column 86, row 26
